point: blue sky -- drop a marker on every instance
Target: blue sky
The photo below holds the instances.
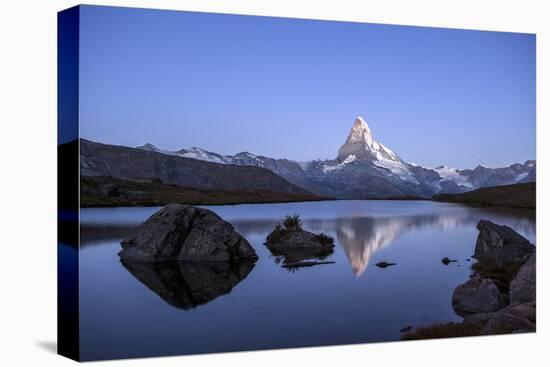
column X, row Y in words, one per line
column 291, row 88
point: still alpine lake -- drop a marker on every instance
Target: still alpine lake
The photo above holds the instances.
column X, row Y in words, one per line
column 137, row 311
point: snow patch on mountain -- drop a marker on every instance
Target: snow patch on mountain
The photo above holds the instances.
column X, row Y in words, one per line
column 151, row 148
column 520, row 177
column 350, row 159
column 453, row 174
column 397, row 168
column 203, row 155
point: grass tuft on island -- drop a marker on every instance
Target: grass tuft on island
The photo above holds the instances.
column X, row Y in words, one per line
column 100, row 191
column 514, row 196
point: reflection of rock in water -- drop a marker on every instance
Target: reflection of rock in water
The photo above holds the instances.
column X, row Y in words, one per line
column 186, row 285
column 298, row 255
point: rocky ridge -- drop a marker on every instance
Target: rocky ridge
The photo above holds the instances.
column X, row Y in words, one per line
column 364, row 168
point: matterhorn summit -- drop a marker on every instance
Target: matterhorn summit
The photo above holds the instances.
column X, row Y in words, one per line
column 360, row 132
column 359, row 141
column 361, row 144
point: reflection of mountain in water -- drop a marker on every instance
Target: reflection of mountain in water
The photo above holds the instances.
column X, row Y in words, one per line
column 362, row 237
column 186, row 285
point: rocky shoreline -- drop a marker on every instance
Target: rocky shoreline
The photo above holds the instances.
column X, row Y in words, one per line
column 500, row 296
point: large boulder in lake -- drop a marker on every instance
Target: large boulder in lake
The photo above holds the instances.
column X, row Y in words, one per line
column 523, row 287
column 478, row 295
column 186, row 233
column 500, row 247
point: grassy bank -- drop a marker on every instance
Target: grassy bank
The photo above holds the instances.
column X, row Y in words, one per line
column 111, row 192
column 514, row 196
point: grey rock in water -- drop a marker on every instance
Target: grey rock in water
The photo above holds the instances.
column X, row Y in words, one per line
column 527, row 310
column 523, row 287
column 512, row 319
column 296, row 245
column 186, row 233
column 478, row 318
column 447, row 261
column 501, row 247
column 478, row 295
column 296, row 240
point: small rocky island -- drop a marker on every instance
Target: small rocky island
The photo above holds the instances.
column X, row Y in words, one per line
column 186, row 233
column 294, row 245
column 500, row 296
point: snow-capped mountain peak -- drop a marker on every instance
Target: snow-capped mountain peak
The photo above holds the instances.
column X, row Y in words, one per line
column 365, row 167
column 360, row 132
column 361, row 145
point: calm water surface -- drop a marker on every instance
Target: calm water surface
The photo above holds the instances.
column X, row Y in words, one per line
column 129, row 311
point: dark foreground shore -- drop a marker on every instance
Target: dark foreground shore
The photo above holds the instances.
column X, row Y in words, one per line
column 111, row 192
column 500, row 296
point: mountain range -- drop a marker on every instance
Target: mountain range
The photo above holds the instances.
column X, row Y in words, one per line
column 137, row 165
column 365, row 169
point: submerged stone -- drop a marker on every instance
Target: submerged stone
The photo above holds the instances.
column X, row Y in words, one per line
column 384, row 264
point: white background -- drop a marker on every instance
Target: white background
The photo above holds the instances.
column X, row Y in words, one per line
column 28, row 181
